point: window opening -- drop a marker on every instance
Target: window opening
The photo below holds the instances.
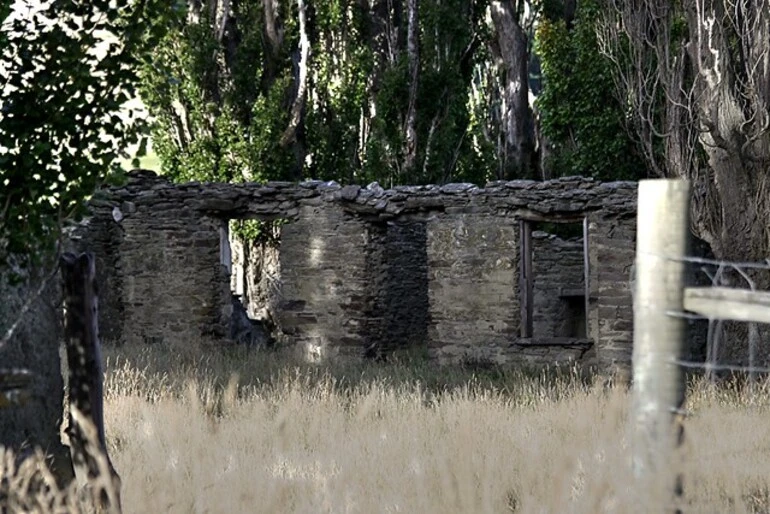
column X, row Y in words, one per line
column 554, row 279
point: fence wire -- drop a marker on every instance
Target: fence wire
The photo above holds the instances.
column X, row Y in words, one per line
column 720, row 273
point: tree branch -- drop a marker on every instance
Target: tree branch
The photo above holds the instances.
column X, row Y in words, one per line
column 290, row 134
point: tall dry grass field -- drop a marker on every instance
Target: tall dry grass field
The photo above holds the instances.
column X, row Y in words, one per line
column 237, row 432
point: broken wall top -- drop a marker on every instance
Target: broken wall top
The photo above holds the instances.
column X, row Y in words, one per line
column 565, row 199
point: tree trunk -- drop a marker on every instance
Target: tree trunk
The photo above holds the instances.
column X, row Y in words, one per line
column 413, row 56
column 744, row 194
column 517, row 144
column 380, row 34
column 291, row 134
column 273, row 35
column 273, row 30
column 704, row 94
column 81, row 333
column 732, row 86
column 570, row 6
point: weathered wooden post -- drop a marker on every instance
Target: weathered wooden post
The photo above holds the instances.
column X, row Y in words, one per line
column 658, row 380
column 86, row 420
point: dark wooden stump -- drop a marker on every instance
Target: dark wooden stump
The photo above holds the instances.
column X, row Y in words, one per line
column 86, row 419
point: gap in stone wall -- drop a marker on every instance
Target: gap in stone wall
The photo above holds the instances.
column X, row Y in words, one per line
column 558, row 275
column 250, row 252
column 398, row 285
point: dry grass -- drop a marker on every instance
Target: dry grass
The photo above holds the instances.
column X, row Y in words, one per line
column 187, row 436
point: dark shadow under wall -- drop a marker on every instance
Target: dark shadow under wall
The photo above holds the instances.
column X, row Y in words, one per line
column 406, row 292
column 397, row 257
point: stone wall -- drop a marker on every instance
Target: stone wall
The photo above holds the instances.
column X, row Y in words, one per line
column 103, row 236
column 559, row 287
column 165, row 259
column 366, row 270
column 611, row 244
column 324, row 302
column 474, row 305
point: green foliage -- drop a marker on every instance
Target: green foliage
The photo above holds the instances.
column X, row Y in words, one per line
column 562, row 230
column 445, row 86
column 383, row 152
column 268, row 158
column 217, row 116
column 221, row 108
column 66, row 71
column 341, row 67
column 579, row 113
column 446, row 150
column 550, row 10
column 257, row 231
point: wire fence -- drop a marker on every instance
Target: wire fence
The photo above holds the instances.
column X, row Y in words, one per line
column 741, row 278
column 663, row 304
column 27, row 313
column 728, row 298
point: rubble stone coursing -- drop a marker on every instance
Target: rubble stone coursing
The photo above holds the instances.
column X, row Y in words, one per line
column 430, row 268
column 559, row 286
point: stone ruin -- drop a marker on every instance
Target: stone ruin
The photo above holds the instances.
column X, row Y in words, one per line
column 456, row 272
column 519, row 272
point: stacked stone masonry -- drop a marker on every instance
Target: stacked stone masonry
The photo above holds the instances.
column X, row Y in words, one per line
column 366, row 271
column 559, row 287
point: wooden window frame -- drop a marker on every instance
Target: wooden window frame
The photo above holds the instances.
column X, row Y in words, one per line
column 526, row 275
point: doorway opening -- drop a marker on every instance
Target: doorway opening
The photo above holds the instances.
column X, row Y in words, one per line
column 250, row 255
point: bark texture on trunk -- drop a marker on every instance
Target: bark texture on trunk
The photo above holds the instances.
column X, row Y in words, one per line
column 701, row 92
column 731, row 66
column 298, row 103
column 382, row 34
column 86, row 421
column 516, row 122
column 413, row 57
column 272, row 37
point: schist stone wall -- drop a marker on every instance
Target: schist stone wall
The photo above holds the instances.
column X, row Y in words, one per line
column 559, row 286
column 364, row 271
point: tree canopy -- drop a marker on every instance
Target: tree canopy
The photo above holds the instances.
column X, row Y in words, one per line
column 397, row 91
column 67, row 71
column 394, row 91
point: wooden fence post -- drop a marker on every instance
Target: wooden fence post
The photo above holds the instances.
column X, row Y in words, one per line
column 658, row 380
column 86, row 421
